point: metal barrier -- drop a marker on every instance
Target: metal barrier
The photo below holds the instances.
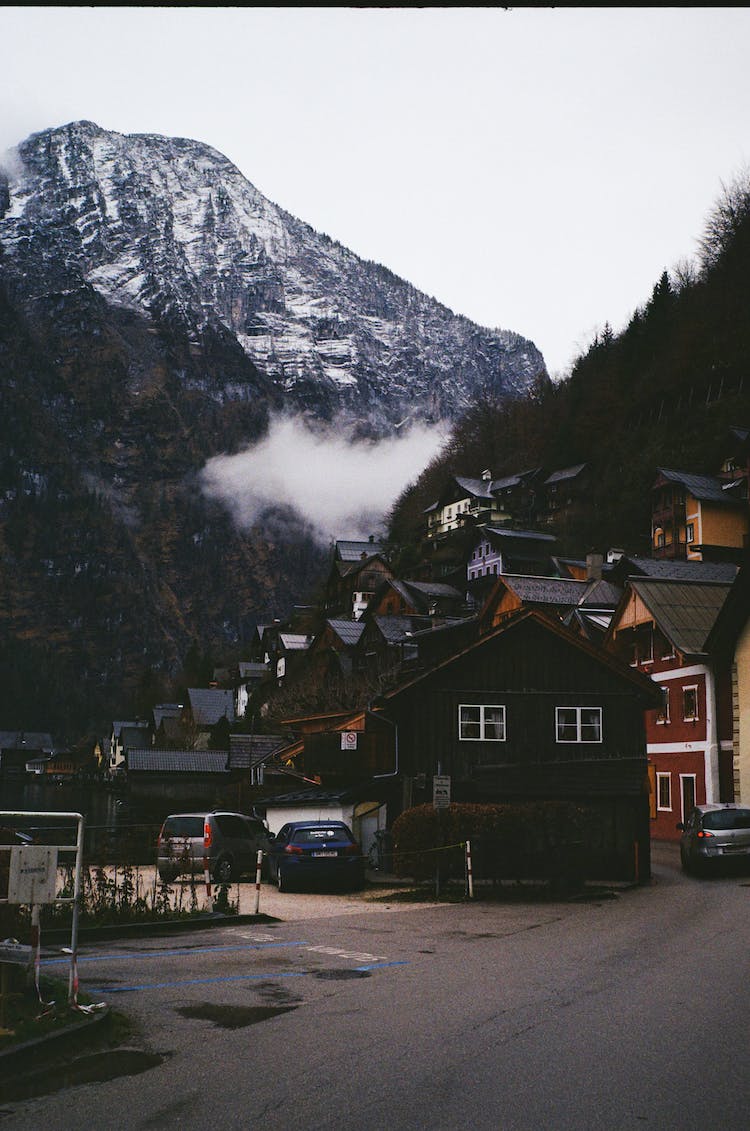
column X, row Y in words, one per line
column 32, row 881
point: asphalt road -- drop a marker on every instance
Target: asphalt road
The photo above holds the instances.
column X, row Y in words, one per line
column 612, row 1014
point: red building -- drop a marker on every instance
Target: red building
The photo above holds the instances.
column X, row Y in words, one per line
column 661, row 626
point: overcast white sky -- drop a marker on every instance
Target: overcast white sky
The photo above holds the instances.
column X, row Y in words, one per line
column 534, row 169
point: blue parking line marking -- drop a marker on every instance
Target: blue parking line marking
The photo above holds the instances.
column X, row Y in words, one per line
column 195, row 982
column 380, row 965
column 168, row 953
column 230, row 978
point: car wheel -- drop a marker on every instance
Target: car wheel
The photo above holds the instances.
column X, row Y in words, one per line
column 167, row 875
column 224, row 871
column 282, row 880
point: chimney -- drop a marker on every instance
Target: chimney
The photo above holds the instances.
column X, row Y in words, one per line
column 487, row 474
column 594, row 563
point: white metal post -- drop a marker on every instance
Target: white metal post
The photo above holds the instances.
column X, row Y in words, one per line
column 258, row 867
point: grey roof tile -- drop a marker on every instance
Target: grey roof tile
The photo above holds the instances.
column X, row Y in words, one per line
column 209, row 704
column 178, row 761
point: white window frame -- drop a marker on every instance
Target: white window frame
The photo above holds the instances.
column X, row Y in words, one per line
column 481, row 708
column 696, row 716
column 660, row 778
column 578, row 725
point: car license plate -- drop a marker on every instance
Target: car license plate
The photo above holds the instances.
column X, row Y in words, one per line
column 317, row 854
column 740, row 848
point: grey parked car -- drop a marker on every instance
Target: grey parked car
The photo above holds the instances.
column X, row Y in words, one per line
column 715, row 834
column 228, row 842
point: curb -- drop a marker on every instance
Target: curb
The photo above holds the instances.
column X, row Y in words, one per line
column 18, row 1057
column 167, row 927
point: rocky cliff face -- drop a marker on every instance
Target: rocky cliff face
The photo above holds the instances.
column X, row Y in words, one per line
column 170, row 229
column 154, row 309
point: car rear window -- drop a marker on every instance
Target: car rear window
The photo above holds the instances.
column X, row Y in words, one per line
column 318, row 835
column 183, row 826
column 723, row 820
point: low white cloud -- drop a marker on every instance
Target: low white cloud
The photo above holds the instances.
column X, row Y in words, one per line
column 340, row 487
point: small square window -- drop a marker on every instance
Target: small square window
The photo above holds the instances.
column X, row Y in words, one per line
column 690, row 704
column 578, row 724
column 479, row 722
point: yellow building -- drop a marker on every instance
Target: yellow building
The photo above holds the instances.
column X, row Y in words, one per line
column 697, row 517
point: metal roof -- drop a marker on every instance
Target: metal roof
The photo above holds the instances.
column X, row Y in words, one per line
column 348, row 631
column 684, row 611
column 294, row 641
column 178, row 761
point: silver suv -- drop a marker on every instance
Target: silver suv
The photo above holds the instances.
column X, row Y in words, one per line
column 714, row 834
column 227, row 842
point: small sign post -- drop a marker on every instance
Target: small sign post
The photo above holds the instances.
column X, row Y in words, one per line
column 441, row 791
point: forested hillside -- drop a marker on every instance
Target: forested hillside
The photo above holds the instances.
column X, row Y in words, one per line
column 662, row 392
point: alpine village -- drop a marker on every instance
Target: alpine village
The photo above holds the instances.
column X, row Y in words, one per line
column 557, row 611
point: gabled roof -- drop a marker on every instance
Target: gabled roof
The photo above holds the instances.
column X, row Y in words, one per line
column 519, row 622
column 178, row 761
column 705, row 488
column 247, row 750
column 395, row 628
column 294, row 641
column 733, row 616
column 601, row 595
column 134, row 735
column 479, row 488
column 353, row 551
column 677, row 570
column 531, row 589
column 564, row 474
column 506, row 533
column 166, row 711
column 249, row 670
column 684, row 611
column 209, row 704
column 420, row 594
column 119, row 724
column 348, row 631
column 26, row 739
column 358, row 565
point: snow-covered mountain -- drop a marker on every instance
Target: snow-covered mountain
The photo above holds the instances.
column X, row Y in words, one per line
column 170, row 229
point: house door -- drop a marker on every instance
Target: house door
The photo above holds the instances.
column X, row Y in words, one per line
column 687, row 789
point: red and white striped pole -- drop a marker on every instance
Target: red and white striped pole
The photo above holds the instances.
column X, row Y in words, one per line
column 258, row 866
column 469, row 876
column 207, row 877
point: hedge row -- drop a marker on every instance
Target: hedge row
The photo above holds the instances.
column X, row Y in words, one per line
column 513, row 840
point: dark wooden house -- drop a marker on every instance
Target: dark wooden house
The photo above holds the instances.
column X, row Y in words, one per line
column 531, row 711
